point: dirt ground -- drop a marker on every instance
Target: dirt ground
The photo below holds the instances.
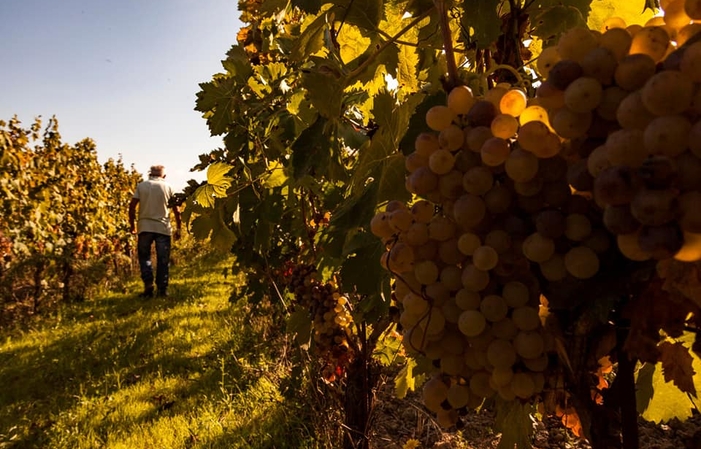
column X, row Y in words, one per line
column 399, row 421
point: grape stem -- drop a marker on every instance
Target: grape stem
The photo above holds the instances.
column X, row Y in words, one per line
column 506, row 67
column 453, row 78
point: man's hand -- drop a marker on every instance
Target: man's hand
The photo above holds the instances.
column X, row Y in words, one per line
column 132, row 228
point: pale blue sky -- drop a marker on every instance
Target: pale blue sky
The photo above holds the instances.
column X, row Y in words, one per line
column 123, row 72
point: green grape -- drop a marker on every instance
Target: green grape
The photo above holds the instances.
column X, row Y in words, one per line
column 461, row 100
column 498, row 239
column 617, row 41
column 522, row 385
column 494, row 151
column 628, row 246
column 426, row 143
column 458, row 395
column 667, row 135
column 504, row 126
column 380, row 227
column 485, row 258
column 426, row 272
column 547, row 59
column 472, row 323
column 529, row 344
column 494, row 308
column 501, row 354
column 441, row 161
column 538, row 248
column 521, row 166
column 439, row 117
column 474, row 279
column 583, row 95
column 467, row 299
column 575, row 43
column 633, row 71
column 554, row 268
column 516, row 294
column 651, row 41
column 451, row 277
column 513, row 102
column 526, row 318
column 582, row 262
column 433, row 393
column 441, row 228
column 469, row 210
column 667, row 93
column 577, row 227
column 479, row 385
column 478, row 180
column 415, row 305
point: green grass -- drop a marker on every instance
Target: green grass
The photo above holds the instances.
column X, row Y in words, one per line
column 189, row 371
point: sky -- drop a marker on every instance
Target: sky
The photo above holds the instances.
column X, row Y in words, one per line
column 122, row 72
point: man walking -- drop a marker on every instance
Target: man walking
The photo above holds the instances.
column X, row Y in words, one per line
column 153, row 197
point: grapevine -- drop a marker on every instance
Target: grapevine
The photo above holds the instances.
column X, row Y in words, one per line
column 534, row 221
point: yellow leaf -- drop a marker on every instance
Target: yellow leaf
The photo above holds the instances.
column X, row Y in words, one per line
column 630, row 11
column 352, row 42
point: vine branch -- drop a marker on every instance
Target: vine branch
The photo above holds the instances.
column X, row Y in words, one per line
column 447, row 42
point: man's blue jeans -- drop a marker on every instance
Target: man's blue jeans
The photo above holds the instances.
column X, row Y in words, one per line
column 146, row 239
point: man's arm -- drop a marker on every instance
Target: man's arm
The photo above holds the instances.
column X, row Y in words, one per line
column 178, row 222
column 132, row 215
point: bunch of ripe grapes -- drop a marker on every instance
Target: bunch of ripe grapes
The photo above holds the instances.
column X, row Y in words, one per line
column 512, row 193
column 332, row 323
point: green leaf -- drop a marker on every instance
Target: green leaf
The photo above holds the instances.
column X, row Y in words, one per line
column 363, row 13
column 553, row 21
column 217, row 184
column 513, row 420
column 417, row 122
column 362, row 270
column 481, row 16
column 217, row 100
column 311, row 40
column 405, row 381
column 643, row 386
column 308, row 151
column 299, row 324
column 277, row 176
column 667, row 401
column 407, row 76
column 324, row 91
column 633, row 12
column 352, row 43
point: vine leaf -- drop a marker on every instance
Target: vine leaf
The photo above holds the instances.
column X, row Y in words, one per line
column 299, row 324
column 405, row 380
column 659, row 400
column 513, row 420
column 682, row 278
column 631, row 12
column 677, row 366
column 362, row 13
column 217, row 184
column 483, row 19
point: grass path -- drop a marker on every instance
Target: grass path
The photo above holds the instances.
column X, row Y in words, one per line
column 188, row 371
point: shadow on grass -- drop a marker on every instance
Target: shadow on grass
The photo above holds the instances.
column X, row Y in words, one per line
column 99, row 348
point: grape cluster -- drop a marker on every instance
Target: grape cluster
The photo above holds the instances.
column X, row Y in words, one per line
column 493, row 202
column 332, row 331
column 511, row 192
column 630, row 104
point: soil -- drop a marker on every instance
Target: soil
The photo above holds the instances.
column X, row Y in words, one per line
column 397, row 421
